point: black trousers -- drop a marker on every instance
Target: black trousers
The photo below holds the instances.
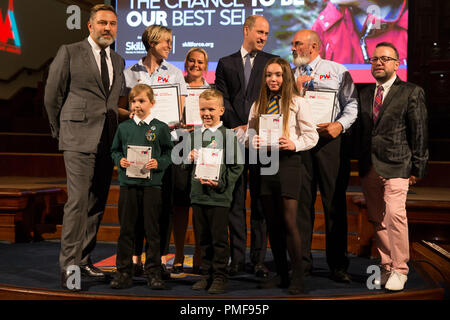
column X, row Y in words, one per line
column 238, row 223
column 328, row 167
column 211, row 223
column 136, row 201
column 165, row 219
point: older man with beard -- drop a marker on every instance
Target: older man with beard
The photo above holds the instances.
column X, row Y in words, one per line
column 327, row 165
column 81, row 97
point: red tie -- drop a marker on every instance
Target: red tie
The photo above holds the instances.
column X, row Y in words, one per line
column 377, row 103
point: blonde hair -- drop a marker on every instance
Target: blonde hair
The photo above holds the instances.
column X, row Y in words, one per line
column 212, row 94
column 140, row 88
column 287, row 92
column 153, row 34
column 192, row 50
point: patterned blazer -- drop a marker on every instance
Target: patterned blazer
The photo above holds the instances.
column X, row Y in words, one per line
column 396, row 145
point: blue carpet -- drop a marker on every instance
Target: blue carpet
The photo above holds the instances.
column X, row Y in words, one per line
column 36, row 265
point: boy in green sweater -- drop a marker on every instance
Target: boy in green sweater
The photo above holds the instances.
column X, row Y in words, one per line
column 211, row 198
column 140, row 195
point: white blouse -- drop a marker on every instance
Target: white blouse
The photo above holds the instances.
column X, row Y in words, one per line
column 302, row 130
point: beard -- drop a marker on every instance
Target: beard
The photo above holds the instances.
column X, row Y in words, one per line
column 301, row 60
column 105, row 42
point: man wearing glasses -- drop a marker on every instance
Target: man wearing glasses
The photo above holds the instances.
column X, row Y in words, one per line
column 394, row 155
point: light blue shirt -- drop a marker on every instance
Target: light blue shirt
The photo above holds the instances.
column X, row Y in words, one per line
column 330, row 75
column 166, row 73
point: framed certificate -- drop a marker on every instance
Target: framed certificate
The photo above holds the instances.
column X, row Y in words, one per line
column 192, row 107
column 167, row 104
column 208, row 164
column 270, row 129
column 138, row 156
column 322, row 105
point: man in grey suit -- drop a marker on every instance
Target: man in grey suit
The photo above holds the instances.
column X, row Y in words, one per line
column 81, row 98
column 394, row 154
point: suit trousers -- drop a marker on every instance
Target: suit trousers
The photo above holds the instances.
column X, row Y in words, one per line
column 328, row 167
column 238, row 222
column 386, row 206
column 211, row 223
column 135, row 202
column 88, row 181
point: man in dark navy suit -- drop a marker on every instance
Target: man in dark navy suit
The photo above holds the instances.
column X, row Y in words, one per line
column 238, row 77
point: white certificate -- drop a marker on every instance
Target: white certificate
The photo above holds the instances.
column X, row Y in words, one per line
column 322, row 105
column 208, row 164
column 167, row 106
column 138, row 156
column 270, row 129
column 192, row 107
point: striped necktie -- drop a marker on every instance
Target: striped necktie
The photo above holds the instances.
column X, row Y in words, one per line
column 378, row 102
column 273, row 105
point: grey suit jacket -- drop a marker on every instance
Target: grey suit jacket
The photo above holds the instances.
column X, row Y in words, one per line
column 75, row 99
column 230, row 80
column 396, row 145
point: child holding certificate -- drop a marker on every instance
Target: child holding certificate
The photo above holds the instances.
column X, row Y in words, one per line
column 280, row 191
column 214, row 149
column 141, row 150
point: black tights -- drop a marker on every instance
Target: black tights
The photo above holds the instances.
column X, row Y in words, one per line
column 283, row 231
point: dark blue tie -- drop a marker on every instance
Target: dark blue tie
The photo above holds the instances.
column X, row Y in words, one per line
column 247, row 68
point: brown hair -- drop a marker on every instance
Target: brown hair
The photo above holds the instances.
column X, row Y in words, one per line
column 389, row 45
column 287, row 92
column 101, row 7
column 140, row 88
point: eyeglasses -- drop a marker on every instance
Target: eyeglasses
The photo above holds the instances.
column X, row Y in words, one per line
column 383, row 59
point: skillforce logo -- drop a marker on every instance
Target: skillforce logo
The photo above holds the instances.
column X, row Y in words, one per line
column 9, row 35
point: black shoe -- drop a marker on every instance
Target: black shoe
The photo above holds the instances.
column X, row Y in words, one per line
column 297, row 283
column 71, row 286
column 261, row 271
column 165, row 274
column 176, row 270
column 156, row 282
column 274, row 282
column 138, row 269
column 340, row 276
column 235, row 269
column 218, row 286
column 91, row 271
column 202, row 284
column 122, row 280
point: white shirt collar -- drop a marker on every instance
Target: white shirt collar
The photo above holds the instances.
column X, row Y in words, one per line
column 97, row 48
column 147, row 120
column 213, row 129
column 245, row 52
column 388, row 84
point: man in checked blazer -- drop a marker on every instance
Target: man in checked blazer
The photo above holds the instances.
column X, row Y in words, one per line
column 394, row 155
column 81, row 96
column 239, row 95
